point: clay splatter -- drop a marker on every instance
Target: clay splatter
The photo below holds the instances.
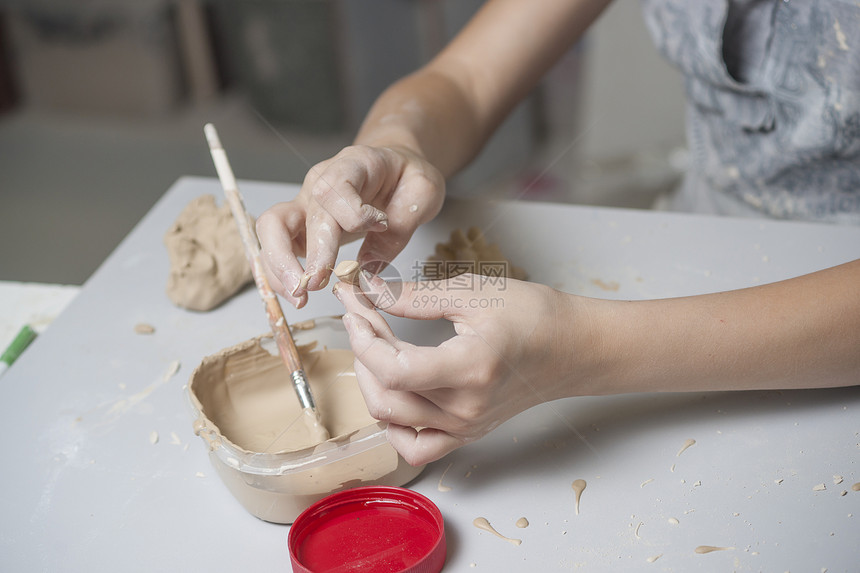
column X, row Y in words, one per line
column 440, row 486
column 686, row 445
column 482, row 523
column 578, row 487
column 144, row 328
column 702, row 549
column 608, row 286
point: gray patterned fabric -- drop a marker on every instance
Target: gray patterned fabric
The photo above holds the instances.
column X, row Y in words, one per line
column 773, row 115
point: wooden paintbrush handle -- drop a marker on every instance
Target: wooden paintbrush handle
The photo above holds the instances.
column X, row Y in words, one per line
column 275, row 314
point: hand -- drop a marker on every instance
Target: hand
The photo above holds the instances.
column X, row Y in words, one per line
column 512, row 350
column 382, row 193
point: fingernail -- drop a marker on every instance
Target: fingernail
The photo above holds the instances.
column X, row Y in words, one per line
column 335, row 290
column 290, row 282
column 324, row 281
column 347, row 322
column 378, row 216
column 302, row 284
column 368, row 277
column 372, row 263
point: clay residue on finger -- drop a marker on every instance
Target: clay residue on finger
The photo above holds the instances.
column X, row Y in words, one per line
column 347, row 271
column 469, row 252
column 302, row 284
column 207, row 258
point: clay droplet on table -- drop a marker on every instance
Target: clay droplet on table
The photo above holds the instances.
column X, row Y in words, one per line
column 702, row 549
column 440, row 486
column 482, row 523
column 578, row 487
column 144, row 328
column 686, row 445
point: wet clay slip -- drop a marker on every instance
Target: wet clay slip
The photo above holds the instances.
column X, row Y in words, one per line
column 248, row 415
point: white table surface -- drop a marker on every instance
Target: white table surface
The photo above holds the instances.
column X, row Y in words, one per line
column 86, row 490
column 35, row 304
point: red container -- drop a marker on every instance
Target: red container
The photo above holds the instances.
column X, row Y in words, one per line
column 375, row 528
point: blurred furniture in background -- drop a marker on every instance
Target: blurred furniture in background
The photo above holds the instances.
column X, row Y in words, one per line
column 102, row 103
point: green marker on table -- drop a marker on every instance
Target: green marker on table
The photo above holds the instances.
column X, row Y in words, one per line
column 25, row 336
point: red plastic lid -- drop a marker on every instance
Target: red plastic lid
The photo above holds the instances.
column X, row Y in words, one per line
column 375, row 528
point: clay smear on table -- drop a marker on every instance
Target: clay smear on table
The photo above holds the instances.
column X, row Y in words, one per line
column 686, row 445
column 440, row 486
column 207, row 259
column 469, row 252
column 482, row 523
column 702, row 549
column 578, row 487
column 144, row 328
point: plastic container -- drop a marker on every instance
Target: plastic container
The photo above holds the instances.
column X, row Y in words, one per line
column 278, row 486
column 380, row 529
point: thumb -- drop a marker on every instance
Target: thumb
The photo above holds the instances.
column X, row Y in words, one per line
column 424, row 300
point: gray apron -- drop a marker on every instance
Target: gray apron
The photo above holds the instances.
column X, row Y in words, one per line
column 773, row 114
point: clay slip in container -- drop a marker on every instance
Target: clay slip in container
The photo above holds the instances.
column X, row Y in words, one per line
column 232, row 391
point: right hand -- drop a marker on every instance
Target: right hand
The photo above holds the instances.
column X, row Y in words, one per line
column 381, row 193
column 517, row 344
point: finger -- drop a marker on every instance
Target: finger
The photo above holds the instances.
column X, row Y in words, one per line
column 346, row 186
column 404, row 408
column 323, row 240
column 280, row 230
column 296, row 301
column 399, row 365
column 424, row 446
column 356, row 303
column 430, row 300
column 417, row 200
column 379, row 249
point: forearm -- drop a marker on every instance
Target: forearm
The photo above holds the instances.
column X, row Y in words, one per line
column 427, row 113
column 799, row 333
column 447, row 110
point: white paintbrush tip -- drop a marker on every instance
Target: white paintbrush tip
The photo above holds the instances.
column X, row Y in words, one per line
column 212, row 136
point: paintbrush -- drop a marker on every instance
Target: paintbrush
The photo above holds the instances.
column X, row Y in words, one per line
column 280, row 328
